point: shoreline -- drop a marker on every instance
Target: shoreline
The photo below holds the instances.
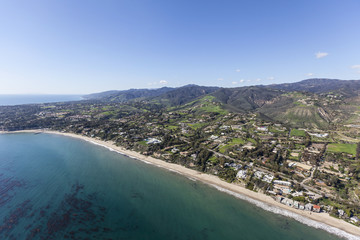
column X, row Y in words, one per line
column 317, row 220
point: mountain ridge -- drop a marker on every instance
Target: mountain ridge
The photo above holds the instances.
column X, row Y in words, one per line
column 308, row 103
column 315, row 85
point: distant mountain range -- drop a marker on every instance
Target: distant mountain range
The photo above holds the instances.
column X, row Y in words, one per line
column 321, row 85
column 243, row 97
column 165, row 95
column 126, row 95
column 308, row 103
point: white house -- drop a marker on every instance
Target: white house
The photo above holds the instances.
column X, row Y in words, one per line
column 284, row 183
column 308, row 207
column 152, row 141
column 354, row 219
column 241, row 174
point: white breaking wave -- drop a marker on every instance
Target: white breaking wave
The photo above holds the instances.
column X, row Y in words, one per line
column 192, row 179
column 284, row 212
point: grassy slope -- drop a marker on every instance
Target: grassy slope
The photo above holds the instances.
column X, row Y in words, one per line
column 297, row 133
column 342, row 148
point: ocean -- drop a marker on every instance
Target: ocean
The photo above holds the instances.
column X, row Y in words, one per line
column 57, row 187
column 16, row 99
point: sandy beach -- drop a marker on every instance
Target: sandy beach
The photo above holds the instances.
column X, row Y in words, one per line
column 317, row 220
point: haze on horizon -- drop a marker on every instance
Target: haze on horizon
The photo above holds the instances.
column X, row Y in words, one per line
column 79, row 47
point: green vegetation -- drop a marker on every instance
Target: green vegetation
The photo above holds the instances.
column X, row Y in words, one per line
column 172, row 127
column 142, row 143
column 228, row 174
column 196, row 125
column 300, row 104
column 233, row 142
column 296, row 158
column 236, row 141
column 297, row 133
column 299, row 199
column 108, row 113
column 213, row 159
column 208, row 98
column 214, row 109
column 342, row 148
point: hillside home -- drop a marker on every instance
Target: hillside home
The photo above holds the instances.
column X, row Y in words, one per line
column 152, row 141
column 262, row 128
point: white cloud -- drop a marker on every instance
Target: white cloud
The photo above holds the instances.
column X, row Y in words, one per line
column 220, row 79
column 321, row 54
column 237, row 70
column 271, row 78
column 356, row 66
column 241, row 81
column 258, row 80
column 233, row 83
column 309, row 74
column 163, row 82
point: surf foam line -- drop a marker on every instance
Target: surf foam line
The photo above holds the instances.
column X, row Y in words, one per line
column 142, row 160
column 286, row 213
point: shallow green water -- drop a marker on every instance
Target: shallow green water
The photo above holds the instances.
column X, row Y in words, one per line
column 55, row 187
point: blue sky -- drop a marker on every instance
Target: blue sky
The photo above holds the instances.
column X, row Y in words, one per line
column 85, row 46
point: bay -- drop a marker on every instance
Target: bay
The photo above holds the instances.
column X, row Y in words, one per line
column 56, row 187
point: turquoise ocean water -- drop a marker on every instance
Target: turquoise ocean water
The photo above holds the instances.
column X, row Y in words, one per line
column 56, row 187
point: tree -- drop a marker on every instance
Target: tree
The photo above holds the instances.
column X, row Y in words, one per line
column 357, row 151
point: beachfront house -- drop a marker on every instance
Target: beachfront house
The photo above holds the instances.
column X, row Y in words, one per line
column 258, row 174
column 308, row 207
column 301, row 206
column 354, row 219
column 341, row 212
column 290, row 202
column 268, row 178
column 316, row 208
